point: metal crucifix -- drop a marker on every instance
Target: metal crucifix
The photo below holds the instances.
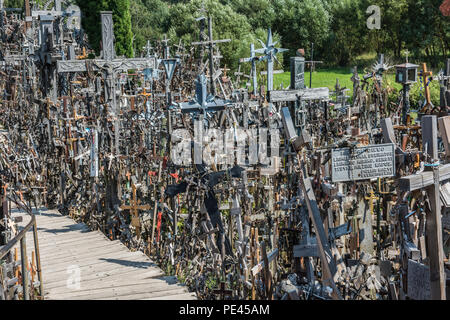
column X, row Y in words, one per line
column 211, row 43
column 109, row 65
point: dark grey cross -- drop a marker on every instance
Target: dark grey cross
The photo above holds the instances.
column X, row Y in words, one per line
column 210, row 42
column 109, row 65
column 312, row 64
column 203, row 102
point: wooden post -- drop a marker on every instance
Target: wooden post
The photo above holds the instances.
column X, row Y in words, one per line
column 366, row 229
column 435, row 244
column 24, row 260
column 329, row 266
column 425, row 75
column 38, row 260
column 433, row 224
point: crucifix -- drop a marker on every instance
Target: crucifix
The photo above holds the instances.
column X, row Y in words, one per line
column 148, row 48
column 134, row 208
column 109, row 65
column 211, row 43
column 431, row 180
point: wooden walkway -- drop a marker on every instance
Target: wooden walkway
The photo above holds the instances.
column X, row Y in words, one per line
column 107, row 269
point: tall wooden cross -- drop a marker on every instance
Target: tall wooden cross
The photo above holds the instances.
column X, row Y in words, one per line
column 109, row 65
column 430, row 181
column 211, row 43
column 134, row 208
column 428, row 105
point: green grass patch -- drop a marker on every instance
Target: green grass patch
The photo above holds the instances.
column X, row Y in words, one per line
column 327, row 78
column 320, row 78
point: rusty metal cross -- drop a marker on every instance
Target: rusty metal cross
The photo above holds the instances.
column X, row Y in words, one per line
column 134, row 208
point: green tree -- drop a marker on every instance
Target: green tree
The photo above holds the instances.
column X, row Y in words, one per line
column 226, row 24
column 348, row 32
column 13, row 4
column 301, row 22
column 122, row 23
column 150, row 20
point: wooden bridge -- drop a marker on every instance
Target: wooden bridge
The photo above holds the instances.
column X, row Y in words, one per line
column 79, row 264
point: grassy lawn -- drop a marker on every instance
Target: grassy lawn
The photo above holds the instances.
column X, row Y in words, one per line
column 327, row 78
column 320, row 78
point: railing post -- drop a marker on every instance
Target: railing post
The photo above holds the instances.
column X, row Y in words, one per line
column 24, row 259
column 38, row 260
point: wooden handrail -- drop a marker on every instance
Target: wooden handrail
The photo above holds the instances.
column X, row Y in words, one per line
column 21, row 237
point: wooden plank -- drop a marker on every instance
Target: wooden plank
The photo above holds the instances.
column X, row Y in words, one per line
column 329, row 265
column 423, row 179
column 97, row 286
column 270, row 257
column 113, row 275
column 85, row 255
column 81, row 248
column 183, row 296
column 306, row 250
column 444, row 130
column 89, row 261
column 132, row 263
column 108, row 268
column 61, row 242
column 134, row 277
column 146, row 295
column 121, row 290
column 76, row 251
column 294, row 95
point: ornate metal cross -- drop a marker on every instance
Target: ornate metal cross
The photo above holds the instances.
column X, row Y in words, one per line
column 270, row 54
column 202, row 101
column 253, row 59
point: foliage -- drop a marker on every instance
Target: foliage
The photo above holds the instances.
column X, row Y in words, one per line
column 122, row 23
column 13, row 4
column 337, row 27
